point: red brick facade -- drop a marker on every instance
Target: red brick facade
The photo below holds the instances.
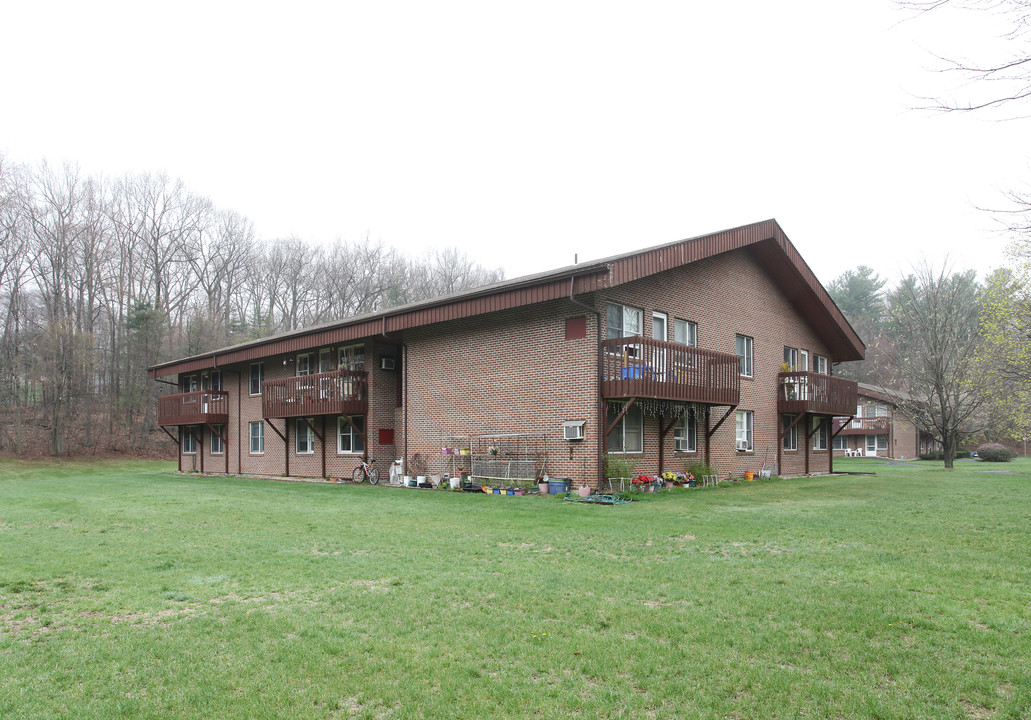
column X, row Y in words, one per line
column 530, row 368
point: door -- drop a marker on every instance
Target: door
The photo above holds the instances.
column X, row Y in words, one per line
column 659, row 323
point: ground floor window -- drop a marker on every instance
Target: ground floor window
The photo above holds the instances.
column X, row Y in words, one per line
column 217, row 446
column 744, row 430
column 628, row 434
column 819, row 434
column 685, row 434
column 841, row 442
column 305, row 438
column 189, row 442
column 349, row 434
column 876, row 442
column 257, row 437
column 790, row 432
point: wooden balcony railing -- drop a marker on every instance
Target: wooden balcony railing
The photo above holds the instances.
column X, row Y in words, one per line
column 339, row 392
column 641, row 367
column 863, row 426
column 810, row 392
column 194, row 408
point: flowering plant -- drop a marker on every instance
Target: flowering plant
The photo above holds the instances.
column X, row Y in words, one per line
column 642, row 480
column 493, row 449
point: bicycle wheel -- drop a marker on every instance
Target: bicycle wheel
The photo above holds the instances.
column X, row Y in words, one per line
column 358, row 475
column 373, row 476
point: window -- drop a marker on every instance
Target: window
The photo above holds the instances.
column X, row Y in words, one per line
column 875, row 443
column 257, row 437
column 305, row 442
column 622, row 321
column 744, row 430
column 189, row 442
column 803, row 360
column 685, row 434
column 217, row 446
column 190, row 383
column 351, row 357
column 790, row 434
column 349, row 439
column 257, row 377
column 744, row 351
column 659, row 323
column 820, row 364
column 628, row 434
column 216, row 380
column 840, row 442
column 819, row 434
column 325, row 360
column 791, row 359
column 880, row 411
column 305, row 364
column 685, row 332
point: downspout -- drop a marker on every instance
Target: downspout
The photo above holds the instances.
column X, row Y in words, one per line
column 599, row 468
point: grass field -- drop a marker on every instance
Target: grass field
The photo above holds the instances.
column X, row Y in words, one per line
column 129, row 591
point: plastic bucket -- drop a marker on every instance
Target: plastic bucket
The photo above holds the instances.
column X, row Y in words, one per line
column 749, row 476
column 557, row 486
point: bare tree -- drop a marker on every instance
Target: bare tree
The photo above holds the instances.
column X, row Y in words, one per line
column 933, row 319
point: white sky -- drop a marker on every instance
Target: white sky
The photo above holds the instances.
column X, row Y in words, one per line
column 526, row 132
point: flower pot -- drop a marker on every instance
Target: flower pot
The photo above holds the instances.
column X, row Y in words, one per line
column 585, row 491
column 520, row 491
column 543, row 488
column 455, row 483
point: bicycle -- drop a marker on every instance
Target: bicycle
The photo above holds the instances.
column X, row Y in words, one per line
column 365, row 470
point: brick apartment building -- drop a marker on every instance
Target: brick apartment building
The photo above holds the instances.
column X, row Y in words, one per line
column 878, row 429
column 715, row 348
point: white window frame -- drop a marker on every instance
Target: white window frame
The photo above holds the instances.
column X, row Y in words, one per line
column 790, row 443
column 344, row 429
column 821, row 364
column 744, row 422
column 305, row 364
column 660, row 317
column 217, row 446
column 627, row 317
column 840, row 442
column 351, row 357
column 745, row 348
column 874, row 445
column 215, row 381
column 685, row 332
column 304, row 438
column 631, row 426
column 256, row 378
column 326, row 360
column 685, row 434
column 190, row 384
column 189, row 442
column 256, row 435
column 791, row 358
column 819, row 434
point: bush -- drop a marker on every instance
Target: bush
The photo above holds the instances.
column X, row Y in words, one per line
column 933, row 455
column 962, row 454
column 994, row 452
column 698, row 468
column 619, row 466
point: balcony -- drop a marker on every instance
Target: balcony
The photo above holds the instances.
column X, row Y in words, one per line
column 645, row 368
column 340, row 392
column 863, row 426
column 809, row 392
column 206, row 407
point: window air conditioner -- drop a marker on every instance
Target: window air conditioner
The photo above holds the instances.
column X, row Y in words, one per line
column 387, row 363
column 742, row 445
column 573, row 430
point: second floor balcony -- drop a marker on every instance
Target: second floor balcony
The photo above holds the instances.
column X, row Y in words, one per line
column 810, row 392
column 338, row 392
column 642, row 367
column 863, row 426
column 205, row 407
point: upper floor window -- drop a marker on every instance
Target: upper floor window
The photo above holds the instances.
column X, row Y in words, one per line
column 215, row 381
column 351, row 357
column 190, row 383
column 790, row 359
column 744, row 352
column 325, row 360
column 257, row 377
column 803, row 360
column 305, row 364
column 685, row 332
column 820, row 364
column 622, row 321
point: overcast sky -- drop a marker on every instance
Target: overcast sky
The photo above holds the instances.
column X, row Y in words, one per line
column 524, row 133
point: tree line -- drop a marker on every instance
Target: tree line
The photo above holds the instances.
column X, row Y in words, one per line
column 101, row 278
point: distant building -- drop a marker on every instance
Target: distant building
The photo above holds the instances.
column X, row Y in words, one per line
column 878, row 429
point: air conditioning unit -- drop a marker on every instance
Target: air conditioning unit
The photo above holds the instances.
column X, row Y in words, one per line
column 742, row 445
column 387, row 363
column 573, row 429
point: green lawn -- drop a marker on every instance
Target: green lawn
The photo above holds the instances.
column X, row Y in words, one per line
column 129, row 591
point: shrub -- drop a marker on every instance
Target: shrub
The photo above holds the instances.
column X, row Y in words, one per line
column 619, row 466
column 933, row 455
column 698, row 468
column 994, row 452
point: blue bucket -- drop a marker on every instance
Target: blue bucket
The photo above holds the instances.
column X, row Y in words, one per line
column 557, row 486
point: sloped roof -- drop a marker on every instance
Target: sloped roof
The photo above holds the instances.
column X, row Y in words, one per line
column 765, row 240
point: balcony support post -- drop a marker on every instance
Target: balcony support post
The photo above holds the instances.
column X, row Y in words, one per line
column 709, row 432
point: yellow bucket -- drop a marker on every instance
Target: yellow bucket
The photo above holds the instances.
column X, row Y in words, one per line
column 749, row 476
